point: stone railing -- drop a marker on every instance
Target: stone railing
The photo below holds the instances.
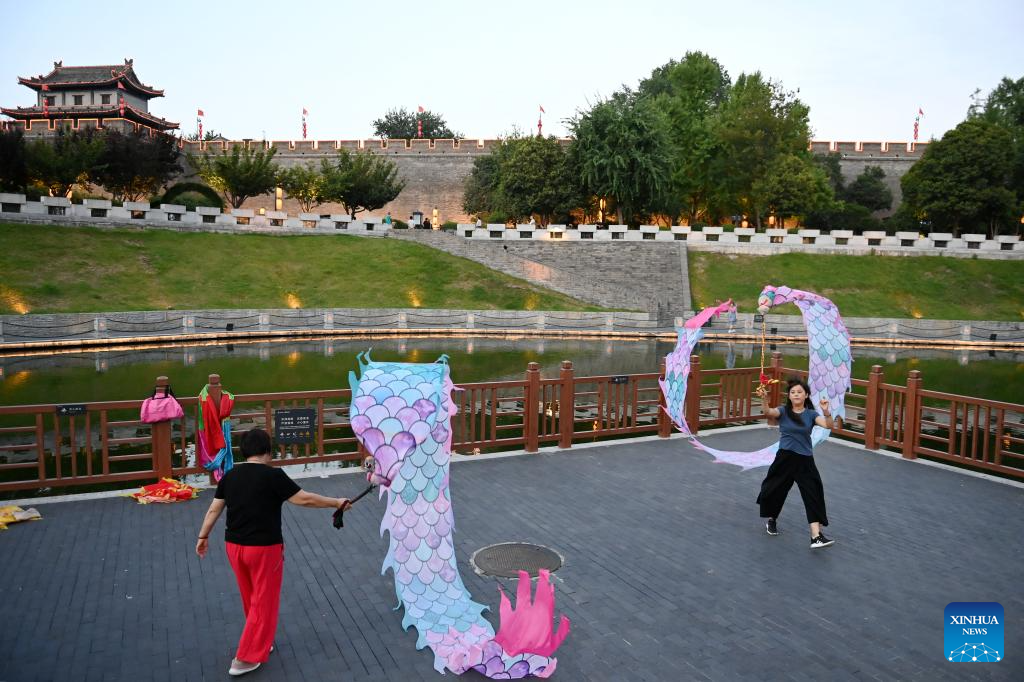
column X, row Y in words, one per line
column 65, row 329
column 773, row 240
column 175, row 216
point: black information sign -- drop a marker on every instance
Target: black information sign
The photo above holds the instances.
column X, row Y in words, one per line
column 70, row 410
column 295, row 425
column 758, row 318
column 620, row 380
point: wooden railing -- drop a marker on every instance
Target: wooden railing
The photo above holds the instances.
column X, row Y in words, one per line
column 56, row 446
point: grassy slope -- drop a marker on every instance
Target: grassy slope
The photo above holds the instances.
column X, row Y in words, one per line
column 869, row 286
column 53, row 269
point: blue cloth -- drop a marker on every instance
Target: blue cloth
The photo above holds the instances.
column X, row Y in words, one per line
column 796, row 435
column 224, row 459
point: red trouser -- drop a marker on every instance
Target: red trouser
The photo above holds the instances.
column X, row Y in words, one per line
column 259, row 570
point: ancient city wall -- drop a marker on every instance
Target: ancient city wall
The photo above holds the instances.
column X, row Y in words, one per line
column 435, row 171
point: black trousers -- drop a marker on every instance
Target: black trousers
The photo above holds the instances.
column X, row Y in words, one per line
column 787, row 468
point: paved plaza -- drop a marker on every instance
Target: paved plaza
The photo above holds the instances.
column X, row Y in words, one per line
column 668, row 574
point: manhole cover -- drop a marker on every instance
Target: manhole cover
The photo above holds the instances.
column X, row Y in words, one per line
column 505, row 560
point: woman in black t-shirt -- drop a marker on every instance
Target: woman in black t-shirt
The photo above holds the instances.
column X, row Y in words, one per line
column 253, row 494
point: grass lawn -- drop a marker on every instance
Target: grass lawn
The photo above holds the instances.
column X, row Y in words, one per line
column 868, row 286
column 46, row 269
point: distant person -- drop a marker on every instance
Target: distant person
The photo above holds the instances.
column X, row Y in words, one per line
column 427, row 225
column 253, row 492
column 731, row 317
column 794, row 462
column 479, row 223
column 387, row 218
column 533, row 221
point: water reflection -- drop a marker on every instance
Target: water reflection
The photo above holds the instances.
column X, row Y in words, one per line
column 325, row 363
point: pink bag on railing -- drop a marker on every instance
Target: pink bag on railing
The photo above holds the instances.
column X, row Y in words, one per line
column 161, row 409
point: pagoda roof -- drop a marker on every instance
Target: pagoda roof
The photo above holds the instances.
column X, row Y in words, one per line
column 98, row 112
column 65, row 77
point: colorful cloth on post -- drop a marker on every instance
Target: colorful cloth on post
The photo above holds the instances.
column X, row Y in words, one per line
column 828, row 374
column 166, row 491
column 213, row 432
column 401, row 413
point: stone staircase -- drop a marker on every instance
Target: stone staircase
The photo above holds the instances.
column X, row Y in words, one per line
column 632, row 276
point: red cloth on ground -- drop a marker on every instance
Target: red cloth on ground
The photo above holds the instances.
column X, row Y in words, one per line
column 259, row 571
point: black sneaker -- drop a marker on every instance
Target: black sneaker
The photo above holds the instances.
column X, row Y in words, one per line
column 821, row 541
column 771, row 527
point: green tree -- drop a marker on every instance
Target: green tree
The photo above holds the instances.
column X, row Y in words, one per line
column 833, row 171
column 793, row 187
column 363, row 181
column 71, row 157
column 304, row 183
column 399, row 124
column 480, row 195
column 869, row 190
column 135, row 165
column 962, row 181
column 622, row 150
column 536, row 178
column 238, row 174
column 758, row 124
column 13, row 166
column 690, row 92
column 1004, row 106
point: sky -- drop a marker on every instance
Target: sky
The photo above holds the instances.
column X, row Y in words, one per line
column 864, row 68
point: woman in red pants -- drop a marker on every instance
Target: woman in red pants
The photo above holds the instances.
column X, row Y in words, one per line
column 253, row 494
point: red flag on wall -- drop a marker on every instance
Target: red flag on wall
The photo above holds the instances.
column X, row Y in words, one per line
column 542, row 109
column 199, row 112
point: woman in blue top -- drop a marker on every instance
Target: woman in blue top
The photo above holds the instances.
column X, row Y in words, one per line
column 795, row 461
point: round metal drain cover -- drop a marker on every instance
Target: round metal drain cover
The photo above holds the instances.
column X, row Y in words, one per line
column 505, row 560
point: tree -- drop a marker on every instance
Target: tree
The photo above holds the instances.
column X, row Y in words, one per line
column 305, row 184
column 72, row 157
column 794, row 187
column 1004, row 107
column 690, row 92
column 869, row 190
column 399, row 124
column 207, row 136
column 13, row 168
column 622, row 150
column 833, row 171
column 238, row 174
column 363, row 181
column 536, row 177
column 481, row 189
column 758, row 124
column 136, row 165
column 962, row 181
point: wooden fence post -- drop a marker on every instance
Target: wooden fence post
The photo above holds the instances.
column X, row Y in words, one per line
column 160, row 434
column 911, row 415
column 692, row 399
column 566, row 404
column 872, row 408
column 531, row 420
column 664, row 421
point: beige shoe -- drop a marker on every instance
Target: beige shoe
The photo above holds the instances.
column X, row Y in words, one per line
column 241, row 667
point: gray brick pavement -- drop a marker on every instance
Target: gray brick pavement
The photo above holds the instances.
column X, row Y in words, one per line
column 668, row 575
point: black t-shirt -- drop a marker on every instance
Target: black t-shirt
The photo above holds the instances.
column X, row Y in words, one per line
column 254, row 494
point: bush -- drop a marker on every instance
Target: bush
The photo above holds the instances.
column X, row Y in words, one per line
column 449, row 225
column 843, row 216
column 399, row 224
column 190, row 200
column 173, row 195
